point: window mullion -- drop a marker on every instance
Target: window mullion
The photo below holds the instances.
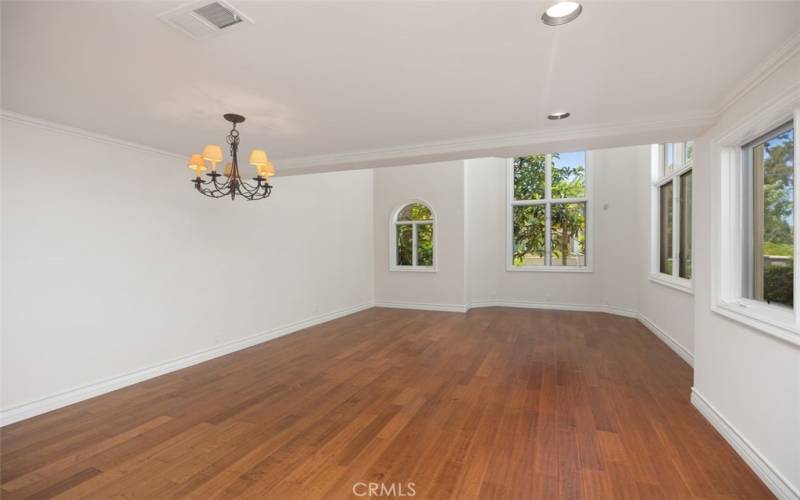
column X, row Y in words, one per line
column 548, row 194
column 676, row 226
column 414, row 244
column 796, row 214
column 547, row 241
column 547, row 176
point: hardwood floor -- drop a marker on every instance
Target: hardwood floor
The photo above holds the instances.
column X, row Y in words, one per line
column 495, row 403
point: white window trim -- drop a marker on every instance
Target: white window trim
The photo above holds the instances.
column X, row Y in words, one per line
column 393, row 223
column 656, row 276
column 547, row 201
column 727, row 239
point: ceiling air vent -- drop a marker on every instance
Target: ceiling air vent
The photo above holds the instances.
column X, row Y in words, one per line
column 204, row 19
column 218, row 15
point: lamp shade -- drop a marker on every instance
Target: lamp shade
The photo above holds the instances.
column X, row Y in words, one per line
column 258, row 157
column 228, row 169
column 266, row 171
column 196, row 161
column 212, row 153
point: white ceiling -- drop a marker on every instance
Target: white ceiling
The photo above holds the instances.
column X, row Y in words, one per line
column 335, row 82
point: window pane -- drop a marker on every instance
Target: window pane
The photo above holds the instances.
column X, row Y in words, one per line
column 529, row 177
column 689, row 152
column 404, row 243
column 665, row 228
column 568, row 234
column 685, row 265
column 669, row 158
column 425, row 244
column 569, row 175
column 528, row 236
column 415, row 211
column 773, row 227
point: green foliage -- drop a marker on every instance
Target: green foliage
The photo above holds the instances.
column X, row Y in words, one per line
column 568, row 182
column 778, row 249
column 415, row 211
column 529, row 177
column 425, row 244
column 778, row 190
column 528, row 232
column 568, row 221
column 779, row 284
column 404, row 244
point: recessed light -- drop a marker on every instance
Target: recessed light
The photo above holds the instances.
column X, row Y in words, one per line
column 561, row 13
column 558, row 116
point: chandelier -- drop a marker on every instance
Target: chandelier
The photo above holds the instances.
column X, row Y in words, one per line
column 233, row 184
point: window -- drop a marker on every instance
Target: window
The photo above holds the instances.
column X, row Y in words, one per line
column 768, row 181
column 753, row 226
column 548, row 212
column 672, row 214
column 412, row 238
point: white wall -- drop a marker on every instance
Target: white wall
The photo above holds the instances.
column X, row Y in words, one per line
column 112, row 263
column 442, row 186
column 751, row 379
column 617, row 246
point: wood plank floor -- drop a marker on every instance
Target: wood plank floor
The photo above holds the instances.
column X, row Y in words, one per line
column 495, row 403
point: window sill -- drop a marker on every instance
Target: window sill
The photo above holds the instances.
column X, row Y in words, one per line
column 767, row 319
column 412, row 269
column 680, row 284
column 549, row 269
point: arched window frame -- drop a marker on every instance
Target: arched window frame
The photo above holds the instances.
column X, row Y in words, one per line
column 393, row 223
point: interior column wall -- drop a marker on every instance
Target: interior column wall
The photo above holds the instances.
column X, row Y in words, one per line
column 441, row 185
column 668, row 311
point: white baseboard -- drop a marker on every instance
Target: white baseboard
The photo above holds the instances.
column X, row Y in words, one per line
column 421, row 306
column 619, row 311
column 56, row 401
column 673, row 344
column 462, row 308
column 774, row 480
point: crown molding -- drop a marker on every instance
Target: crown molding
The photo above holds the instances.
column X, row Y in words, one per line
column 85, row 134
column 763, row 71
column 772, row 113
column 495, row 142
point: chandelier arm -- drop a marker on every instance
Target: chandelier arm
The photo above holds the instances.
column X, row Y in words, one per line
column 203, row 186
column 263, row 194
column 248, row 188
column 209, row 193
column 214, row 193
column 211, row 188
column 222, row 186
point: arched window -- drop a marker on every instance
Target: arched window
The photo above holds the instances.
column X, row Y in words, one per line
column 412, row 239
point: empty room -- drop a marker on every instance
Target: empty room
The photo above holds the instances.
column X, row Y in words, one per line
column 399, row 249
